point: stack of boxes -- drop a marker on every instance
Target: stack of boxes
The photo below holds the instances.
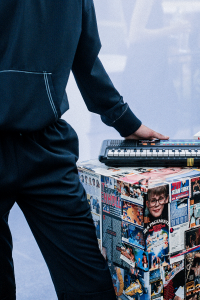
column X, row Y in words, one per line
column 148, row 227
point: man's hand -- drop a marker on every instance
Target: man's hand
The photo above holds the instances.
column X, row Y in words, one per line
column 145, row 133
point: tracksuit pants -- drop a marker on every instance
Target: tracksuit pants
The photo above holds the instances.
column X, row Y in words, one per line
column 38, row 172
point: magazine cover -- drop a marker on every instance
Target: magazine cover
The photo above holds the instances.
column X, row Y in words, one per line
column 132, row 213
column 176, row 257
column 159, row 175
column 91, row 183
column 96, row 220
column 95, row 203
column 136, row 285
column 156, row 204
column 194, row 296
column 174, row 281
column 129, row 283
column 117, row 275
column 194, row 209
column 110, row 197
column 111, row 221
column 179, row 223
column 157, row 244
column 155, row 275
column 185, row 173
column 100, row 168
column 192, row 238
column 133, row 192
column 192, row 271
column 156, row 289
column 195, row 187
column 180, row 189
column 133, row 235
column 135, row 257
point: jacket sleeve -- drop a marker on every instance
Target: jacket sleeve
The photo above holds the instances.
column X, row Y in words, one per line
column 96, row 88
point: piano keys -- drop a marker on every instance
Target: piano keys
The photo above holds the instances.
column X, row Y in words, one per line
column 150, row 153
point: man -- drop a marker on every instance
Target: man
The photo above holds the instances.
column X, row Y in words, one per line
column 196, row 273
column 157, row 202
column 144, row 260
column 40, row 42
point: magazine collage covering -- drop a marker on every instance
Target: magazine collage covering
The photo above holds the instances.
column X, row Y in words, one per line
column 148, row 227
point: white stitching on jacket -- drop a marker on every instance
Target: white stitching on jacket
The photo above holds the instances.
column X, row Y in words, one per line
column 120, row 116
column 29, row 72
column 49, row 95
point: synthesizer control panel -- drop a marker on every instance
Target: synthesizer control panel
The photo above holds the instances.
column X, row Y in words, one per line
column 150, row 153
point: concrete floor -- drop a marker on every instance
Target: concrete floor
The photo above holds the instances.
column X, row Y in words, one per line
column 32, row 276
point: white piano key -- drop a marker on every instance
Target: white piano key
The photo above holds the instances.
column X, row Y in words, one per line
column 155, row 153
column 143, row 153
column 182, row 153
column 171, row 153
column 137, row 153
column 132, row 153
column 121, row 152
column 193, row 152
column 160, row 153
column 166, row 153
column 115, row 153
column 127, row 152
column 110, row 152
column 149, row 153
column 198, row 152
column 188, row 153
column 177, row 153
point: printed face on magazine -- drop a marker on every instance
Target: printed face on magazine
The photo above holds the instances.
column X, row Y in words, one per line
column 156, row 205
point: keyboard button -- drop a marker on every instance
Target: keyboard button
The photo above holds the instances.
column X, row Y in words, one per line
column 121, row 152
column 149, row 153
column 193, row 152
column 198, row 152
column 182, row 152
column 165, row 153
column 116, row 153
column 110, row 153
column 155, row 153
column 132, row 153
column 143, row 153
column 160, row 153
column 140, row 152
column 137, row 153
column 127, row 152
column 177, row 153
column 188, row 153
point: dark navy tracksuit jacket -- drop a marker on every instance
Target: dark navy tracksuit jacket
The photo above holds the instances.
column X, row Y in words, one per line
column 41, row 41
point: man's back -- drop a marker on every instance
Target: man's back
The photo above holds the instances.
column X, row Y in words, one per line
column 38, row 44
column 35, row 35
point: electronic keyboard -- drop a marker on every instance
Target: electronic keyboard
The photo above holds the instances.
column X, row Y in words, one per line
column 156, row 153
